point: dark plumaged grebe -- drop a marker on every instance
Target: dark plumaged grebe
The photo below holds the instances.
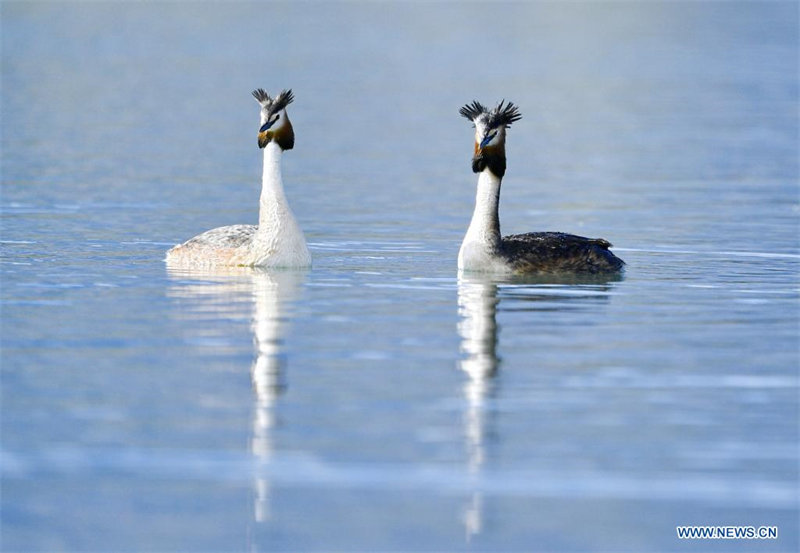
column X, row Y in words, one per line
column 277, row 240
column 483, row 248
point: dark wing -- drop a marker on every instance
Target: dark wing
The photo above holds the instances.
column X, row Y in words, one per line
column 557, row 252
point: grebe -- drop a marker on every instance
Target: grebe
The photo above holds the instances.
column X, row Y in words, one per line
column 483, row 248
column 277, row 240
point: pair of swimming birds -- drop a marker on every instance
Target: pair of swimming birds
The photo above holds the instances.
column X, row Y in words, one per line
column 277, row 240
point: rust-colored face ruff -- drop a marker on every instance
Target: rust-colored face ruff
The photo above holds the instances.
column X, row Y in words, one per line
column 283, row 135
column 493, row 157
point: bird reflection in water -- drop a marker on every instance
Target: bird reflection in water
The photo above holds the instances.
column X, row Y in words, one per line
column 268, row 295
column 478, row 303
column 273, row 294
column 477, row 327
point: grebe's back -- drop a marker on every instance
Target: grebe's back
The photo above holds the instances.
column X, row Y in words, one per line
column 558, row 252
column 214, row 247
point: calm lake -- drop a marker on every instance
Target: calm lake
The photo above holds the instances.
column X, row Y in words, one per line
column 378, row 402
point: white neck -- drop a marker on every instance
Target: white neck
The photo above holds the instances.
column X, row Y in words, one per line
column 485, row 222
column 280, row 242
column 271, row 185
column 483, row 235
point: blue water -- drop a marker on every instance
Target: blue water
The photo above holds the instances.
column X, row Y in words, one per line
column 378, row 402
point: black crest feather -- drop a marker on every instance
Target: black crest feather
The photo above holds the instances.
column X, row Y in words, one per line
column 505, row 113
column 473, row 110
column 283, row 99
column 262, row 96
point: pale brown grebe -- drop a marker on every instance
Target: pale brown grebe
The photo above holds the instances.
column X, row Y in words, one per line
column 483, row 248
column 277, row 240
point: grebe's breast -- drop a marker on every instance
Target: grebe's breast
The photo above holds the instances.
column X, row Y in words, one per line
column 558, row 252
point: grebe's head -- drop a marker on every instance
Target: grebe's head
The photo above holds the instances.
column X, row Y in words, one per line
column 275, row 124
column 490, row 134
column 490, row 125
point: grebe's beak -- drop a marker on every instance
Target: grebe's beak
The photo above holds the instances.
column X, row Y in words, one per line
column 264, row 136
column 486, row 139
